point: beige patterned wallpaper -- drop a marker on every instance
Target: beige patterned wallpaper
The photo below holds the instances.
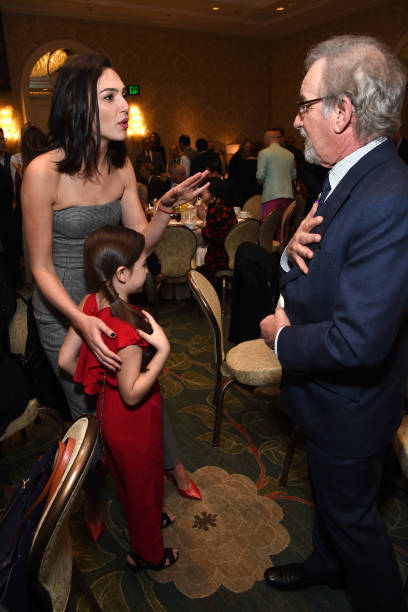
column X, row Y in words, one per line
column 223, row 87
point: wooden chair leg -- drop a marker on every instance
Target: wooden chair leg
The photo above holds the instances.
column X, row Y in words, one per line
column 219, row 411
column 283, row 478
column 86, row 591
column 224, row 286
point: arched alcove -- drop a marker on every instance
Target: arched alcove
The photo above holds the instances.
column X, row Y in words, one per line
column 38, row 110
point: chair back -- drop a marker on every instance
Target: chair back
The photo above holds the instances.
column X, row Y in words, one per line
column 254, row 206
column 299, row 212
column 246, row 231
column 209, row 303
column 50, row 561
column 175, row 250
column 268, row 229
column 18, row 328
column 287, row 222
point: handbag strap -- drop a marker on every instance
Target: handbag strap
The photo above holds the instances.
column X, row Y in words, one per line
column 59, row 470
column 61, row 462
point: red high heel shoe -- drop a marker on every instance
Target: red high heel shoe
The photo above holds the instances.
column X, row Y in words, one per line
column 95, row 529
column 191, row 493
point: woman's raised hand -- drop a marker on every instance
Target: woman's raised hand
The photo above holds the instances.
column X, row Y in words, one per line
column 91, row 329
column 157, row 338
column 186, row 191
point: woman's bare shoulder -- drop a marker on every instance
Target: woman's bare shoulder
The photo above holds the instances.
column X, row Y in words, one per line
column 45, row 165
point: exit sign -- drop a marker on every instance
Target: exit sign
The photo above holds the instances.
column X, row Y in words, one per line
column 133, row 90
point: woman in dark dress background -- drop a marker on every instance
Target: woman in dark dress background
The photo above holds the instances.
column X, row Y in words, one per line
column 219, row 217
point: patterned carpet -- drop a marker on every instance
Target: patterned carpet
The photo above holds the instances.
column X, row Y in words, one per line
column 244, row 523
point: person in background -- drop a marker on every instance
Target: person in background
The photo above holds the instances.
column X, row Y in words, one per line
column 342, row 335
column 232, row 195
column 204, row 156
column 156, row 146
column 276, row 172
column 246, row 181
column 149, row 156
column 10, row 244
column 219, row 217
column 187, row 153
column 243, row 151
column 174, row 157
column 290, row 145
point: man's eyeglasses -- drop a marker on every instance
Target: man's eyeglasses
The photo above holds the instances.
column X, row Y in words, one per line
column 303, row 106
column 3, row 139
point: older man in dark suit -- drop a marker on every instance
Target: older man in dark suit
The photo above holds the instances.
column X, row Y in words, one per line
column 342, row 337
column 148, row 155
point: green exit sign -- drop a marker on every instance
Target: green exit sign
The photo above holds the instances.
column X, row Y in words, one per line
column 133, row 90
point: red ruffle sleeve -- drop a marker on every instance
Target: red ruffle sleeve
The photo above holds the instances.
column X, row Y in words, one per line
column 89, row 372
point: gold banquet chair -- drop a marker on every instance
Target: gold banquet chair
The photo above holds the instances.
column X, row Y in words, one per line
column 248, row 363
column 175, row 251
column 51, row 567
column 18, row 339
column 268, row 229
column 254, row 206
column 246, row 231
column 286, row 228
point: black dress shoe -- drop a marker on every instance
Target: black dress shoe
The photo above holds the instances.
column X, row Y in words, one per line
column 293, row 576
column 290, row 577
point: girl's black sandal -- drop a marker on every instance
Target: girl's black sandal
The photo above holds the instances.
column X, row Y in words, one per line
column 141, row 564
column 166, row 520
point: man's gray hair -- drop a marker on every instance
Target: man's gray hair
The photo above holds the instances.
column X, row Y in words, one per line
column 367, row 72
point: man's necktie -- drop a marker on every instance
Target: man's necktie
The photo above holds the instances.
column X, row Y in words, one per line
column 325, row 190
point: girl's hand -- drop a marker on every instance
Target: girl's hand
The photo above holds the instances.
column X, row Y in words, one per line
column 186, row 191
column 157, row 338
column 91, row 329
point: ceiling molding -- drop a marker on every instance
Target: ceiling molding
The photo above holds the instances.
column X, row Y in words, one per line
column 249, row 18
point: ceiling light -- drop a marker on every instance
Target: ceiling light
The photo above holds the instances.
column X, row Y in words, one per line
column 215, row 8
column 280, row 8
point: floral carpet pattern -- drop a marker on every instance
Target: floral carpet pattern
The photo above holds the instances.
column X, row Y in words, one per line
column 222, row 538
column 245, row 521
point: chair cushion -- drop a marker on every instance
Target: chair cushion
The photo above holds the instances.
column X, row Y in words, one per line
column 254, row 363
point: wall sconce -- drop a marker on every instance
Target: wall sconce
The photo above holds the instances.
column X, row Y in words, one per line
column 136, row 126
column 230, row 149
column 9, row 124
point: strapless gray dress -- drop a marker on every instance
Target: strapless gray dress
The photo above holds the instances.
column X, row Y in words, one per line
column 70, row 228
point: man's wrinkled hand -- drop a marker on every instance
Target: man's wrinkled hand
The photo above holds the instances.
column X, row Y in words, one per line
column 297, row 251
column 271, row 324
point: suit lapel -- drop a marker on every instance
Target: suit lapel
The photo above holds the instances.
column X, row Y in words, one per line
column 341, row 194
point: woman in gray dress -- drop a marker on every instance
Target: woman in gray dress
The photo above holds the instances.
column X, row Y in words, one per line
column 84, row 181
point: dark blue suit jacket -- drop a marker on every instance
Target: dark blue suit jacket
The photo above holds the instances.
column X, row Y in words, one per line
column 345, row 356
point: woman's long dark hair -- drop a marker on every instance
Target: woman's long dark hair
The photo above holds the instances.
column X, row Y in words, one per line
column 74, row 118
column 105, row 250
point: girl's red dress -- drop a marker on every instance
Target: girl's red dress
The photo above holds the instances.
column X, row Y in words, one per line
column 132, row 438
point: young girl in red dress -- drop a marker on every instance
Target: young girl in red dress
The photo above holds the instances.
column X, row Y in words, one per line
column 129, row 401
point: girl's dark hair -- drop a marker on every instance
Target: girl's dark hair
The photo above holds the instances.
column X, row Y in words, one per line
column 74, row 118
column 33, row 142
column 105, row 250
